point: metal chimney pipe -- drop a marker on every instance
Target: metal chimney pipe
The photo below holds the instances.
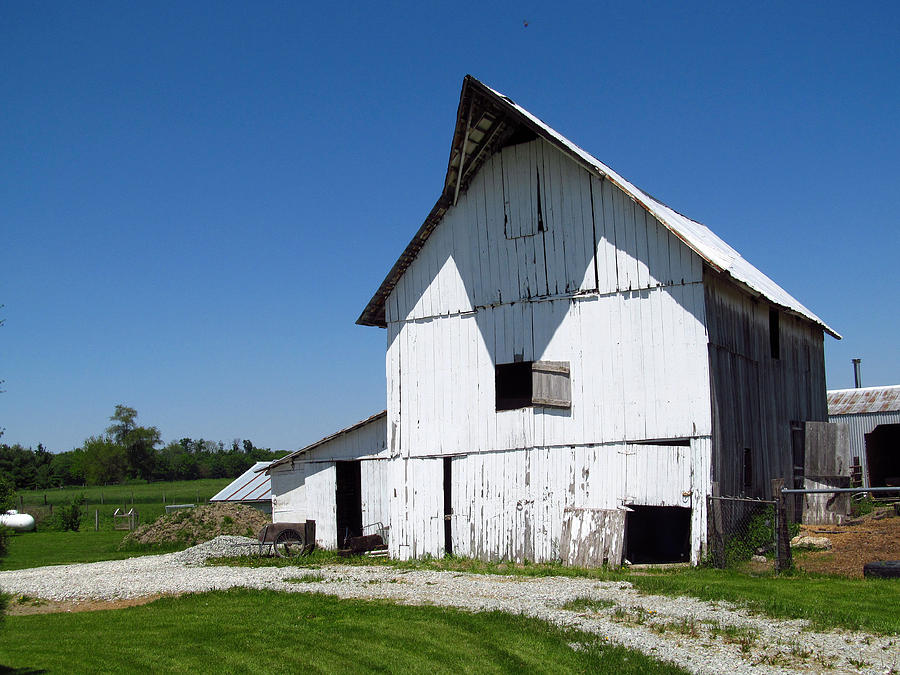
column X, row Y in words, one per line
column 857, row 374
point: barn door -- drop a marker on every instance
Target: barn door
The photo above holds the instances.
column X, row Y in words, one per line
column 658, row 475
column 348, row 501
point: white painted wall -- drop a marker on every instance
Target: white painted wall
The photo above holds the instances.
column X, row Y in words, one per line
column 605, row 288
column 305, row 488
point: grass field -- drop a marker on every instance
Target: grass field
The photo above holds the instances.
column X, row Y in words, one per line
column 252, row 631
column 148, row 499
column 36, row 549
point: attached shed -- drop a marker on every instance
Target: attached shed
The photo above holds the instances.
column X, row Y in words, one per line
column 339, row 481
column 872, row 416
column 571, row 363
column 251, row 488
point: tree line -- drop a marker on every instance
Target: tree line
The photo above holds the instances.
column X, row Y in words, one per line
column 128, row 451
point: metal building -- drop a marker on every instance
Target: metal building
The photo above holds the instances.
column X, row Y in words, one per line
column 872, row 416
column 250, row 488
column 571, row 363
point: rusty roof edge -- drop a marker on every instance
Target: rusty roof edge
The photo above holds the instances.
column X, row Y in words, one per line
column 321, row 441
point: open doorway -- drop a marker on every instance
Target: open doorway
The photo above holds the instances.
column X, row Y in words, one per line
column 883, row 455
column 348, row 501
column 448, row 507
column 657, row 534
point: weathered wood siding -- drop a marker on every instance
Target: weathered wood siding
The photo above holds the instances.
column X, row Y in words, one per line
column 510, row 505
column 755, row 396
column 306, row 488
column 592, row 280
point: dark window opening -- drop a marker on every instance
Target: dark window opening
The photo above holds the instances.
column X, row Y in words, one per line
column 667, row 442
column 882, row 456
column 348, row 501
column 657, row 534
column 544, row 384
column 448, row 507
column 513, row 385
column 748, row 469
column 774, row 334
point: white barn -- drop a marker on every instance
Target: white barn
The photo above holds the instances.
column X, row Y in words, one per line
column 339, row 481
column 571, row 363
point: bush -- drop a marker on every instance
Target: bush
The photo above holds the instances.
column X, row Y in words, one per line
column 68, row 516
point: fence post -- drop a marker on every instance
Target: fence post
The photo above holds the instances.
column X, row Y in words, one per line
column 718, row 543
column 782, row 535
column 96, row 520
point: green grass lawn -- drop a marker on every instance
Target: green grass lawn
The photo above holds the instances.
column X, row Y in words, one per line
column 35, row 549
column 251, row 631
column 170, row 492
column 827, row 602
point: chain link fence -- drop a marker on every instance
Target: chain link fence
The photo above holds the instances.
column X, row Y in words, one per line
column 739, row 528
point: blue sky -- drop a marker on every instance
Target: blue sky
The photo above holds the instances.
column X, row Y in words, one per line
column 198, row 199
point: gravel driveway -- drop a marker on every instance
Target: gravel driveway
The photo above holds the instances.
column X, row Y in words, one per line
column 704, row 637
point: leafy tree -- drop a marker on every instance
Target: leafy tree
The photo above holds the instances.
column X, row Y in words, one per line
column 104, row 461
column 139, row 442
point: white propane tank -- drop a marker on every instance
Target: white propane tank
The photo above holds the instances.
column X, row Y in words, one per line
column 20, row 522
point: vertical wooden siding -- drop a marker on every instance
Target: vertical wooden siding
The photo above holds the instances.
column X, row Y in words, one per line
column 306, row 488
column 509, row 505
column 604, row 287
column 754, row 396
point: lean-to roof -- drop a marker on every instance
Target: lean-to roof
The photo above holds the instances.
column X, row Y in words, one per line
column 337, row 434
column 485, row 121
column 250, row 486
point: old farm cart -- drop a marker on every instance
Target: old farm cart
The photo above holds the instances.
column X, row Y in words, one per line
column 288, row 539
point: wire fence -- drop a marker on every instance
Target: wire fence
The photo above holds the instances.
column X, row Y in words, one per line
column 740, row 528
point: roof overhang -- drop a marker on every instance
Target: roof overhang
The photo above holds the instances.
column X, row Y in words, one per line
column 486, row 120
column 312, row 446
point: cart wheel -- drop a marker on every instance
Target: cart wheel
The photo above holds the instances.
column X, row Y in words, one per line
column 289, row 543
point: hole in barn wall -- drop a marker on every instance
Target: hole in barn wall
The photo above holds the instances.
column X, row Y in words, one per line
column 657, row 534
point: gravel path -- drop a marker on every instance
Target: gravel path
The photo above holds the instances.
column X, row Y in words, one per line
column 704, row 637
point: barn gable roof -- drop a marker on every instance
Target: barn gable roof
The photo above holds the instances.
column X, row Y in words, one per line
column 486, row 120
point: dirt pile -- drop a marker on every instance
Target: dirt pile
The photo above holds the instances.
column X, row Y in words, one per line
column 197, row 525
column 873, row 537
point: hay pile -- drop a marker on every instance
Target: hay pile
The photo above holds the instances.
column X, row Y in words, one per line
column 194, row 526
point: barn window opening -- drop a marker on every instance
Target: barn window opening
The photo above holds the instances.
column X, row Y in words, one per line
column 774, row 334
column 657, row 534
column 748, row 469
column 513, row 385
column 532, row 383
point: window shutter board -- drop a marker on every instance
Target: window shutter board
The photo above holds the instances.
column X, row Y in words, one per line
column 551, row 384
column 551, row 367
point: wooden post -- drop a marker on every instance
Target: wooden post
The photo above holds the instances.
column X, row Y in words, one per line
column 96, row 520
column 783, row 560
column 718, row 542
column 101, row 496
column 21, row 508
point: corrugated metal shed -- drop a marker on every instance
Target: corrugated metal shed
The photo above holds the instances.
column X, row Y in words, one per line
column 251, row 486
column 485, row 120
column 864, row 400
column 863, row 410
